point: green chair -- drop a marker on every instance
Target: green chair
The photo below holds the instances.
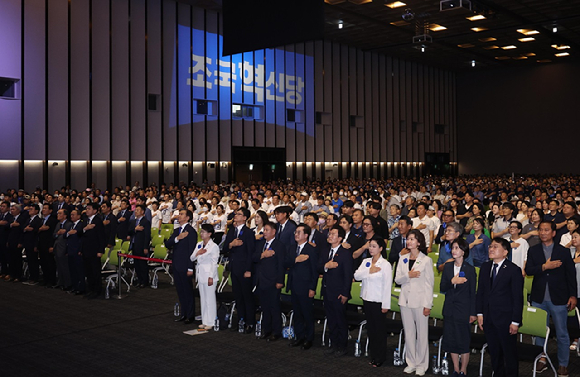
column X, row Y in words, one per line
column 434, row 256
column 105, row 258
column 355, row 298
column 125, row 247
column 436, row 332
column 118, row 244
column 156, row 240
column 160, row 252
column 167, row 226
column 534, row 324
column 437, row 284
column 354, row 317
column 112, row 274
column 154, row 232
column 395, row 326
column 166, row 233
column 528, row 280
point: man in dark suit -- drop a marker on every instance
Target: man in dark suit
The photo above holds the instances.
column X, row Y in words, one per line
column 302, row 280
column 182, row 242
column 5, row 220
column 45, row 243
column 269, row 257
column 30, row 243
column 316, row 238
column 399, row 243
column 286, row 227
column 93, row 247
column 336, row 284
column 554, row 289
column 61, row 204
column 110, row 223
column 241, row 243
column 499, row 304
column 59, row 249
column 73, row 250
column 140, row 233
column 123, row 220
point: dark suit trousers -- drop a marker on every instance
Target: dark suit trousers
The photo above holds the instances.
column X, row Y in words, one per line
column 502, row 349
column 15, row 260
column 337, row 326
column 271, row 316
column 3, row 258
column 93, row 273
column 48, row 266
column 242, row 288
column 77, row 272
column 141, row 268
column 376, row 330
column 33, row 264
column 303, row 307
column 184, row 286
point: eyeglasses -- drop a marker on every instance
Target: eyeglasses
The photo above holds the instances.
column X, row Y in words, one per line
column 447, row 215
column 367, row 224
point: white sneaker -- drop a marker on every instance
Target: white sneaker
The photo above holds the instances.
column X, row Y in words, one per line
column 574, row 346
column 420, row 372
column 409, row 370
column 198, row 318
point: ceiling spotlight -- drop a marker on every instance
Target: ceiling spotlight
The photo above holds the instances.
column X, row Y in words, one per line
column 423, row 48
column 395, row 4
column 555, row 29
column 340, row 24
column 473, row 63
column 408, row 14
column 476, row 17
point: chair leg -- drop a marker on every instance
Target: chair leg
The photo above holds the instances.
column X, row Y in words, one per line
column 439, row 353
column 481, row 360
column 324, row 333
column 367, row 347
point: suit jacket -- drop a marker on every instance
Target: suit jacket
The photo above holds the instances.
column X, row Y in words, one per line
column 140, row 240
column 302, row 276
column 5, row 229
column 241, row 257
column 94, row 241
column 287, row 236
column 503, row 302
column 561, row 281
column 270, row 271
column 337, row 281
column 207, row 263
column 55, row 207
column 74, row 241
column 459, row 298
column 111, row 229
column 123, row 226
column 415, row 292
column 182, row 249
column 60, row 239
column 45, row 238
column 30, row 238
column 319, row 239
column 396, row 247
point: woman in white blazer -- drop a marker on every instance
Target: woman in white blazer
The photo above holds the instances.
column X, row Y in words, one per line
column 376, row 276
column 206, row 254
column 415, row 276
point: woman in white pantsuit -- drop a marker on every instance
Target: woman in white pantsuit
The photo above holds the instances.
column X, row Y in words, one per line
column 415, row 275
column 206, row 254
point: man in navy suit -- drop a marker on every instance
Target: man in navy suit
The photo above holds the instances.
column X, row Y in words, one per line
column 336, row 284
column 553, row 289
column 73, row 249
column 499, row 304
column 241, row 243
column 316, row 238
column 5, row 220
column 140, row 233
column 269, row 256
column 123, row 220
column 30, row 242
column 183, row 241
column 110, row 223
column 286, row 227
column 399, row 243
column 302, row 280
column 93, row 247
column 45, row 243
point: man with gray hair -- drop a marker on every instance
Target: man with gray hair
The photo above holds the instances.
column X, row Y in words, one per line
column 14, row 244
column 452, row 232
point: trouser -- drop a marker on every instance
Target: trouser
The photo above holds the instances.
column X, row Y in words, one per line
column 559, row 314
column 245, row 305
column 48, row 265
column 303, row 307
column 184, row 286
column 77, row 272
column 271, row 316
column 62, row 268
column 33, row 263
column 416, row 327
column 207, row 303
column 502, row 348
column 141, row 268
column 15, row 261
column 92, row 266
column 336, row 319
column 3, row 258
column 376, row 330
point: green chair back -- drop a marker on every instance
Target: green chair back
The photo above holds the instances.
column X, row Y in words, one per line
column 395, row 293
column 318, row 293
column 167, row 226
column 154, row 232
column 156, row 240
column 437, row 308
column 533, row 321
column 160, row 251
column 528, row 280
column 125, row 247
column 434, row 256
column 283, row 291
column 114, row 258
column 118, row 244
column 437, row 284
column 221, row 269
column 105, row 255
column 166, row 233
column 355, row 298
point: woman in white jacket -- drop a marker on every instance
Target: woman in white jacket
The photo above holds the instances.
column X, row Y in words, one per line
column 377, row 276
column 206, row 254
column 415, row 275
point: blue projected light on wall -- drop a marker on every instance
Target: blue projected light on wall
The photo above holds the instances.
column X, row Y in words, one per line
column 250, row 81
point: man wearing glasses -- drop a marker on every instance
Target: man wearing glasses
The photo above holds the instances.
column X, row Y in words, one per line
column 452, row 232
column 447, row 217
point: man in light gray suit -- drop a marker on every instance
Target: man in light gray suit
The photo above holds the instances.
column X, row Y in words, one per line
column 59, row 249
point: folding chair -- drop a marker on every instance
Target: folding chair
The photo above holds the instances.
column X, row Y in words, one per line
column 436, row 332
column 534, row 324
column 353, row 316
column 160, row 252
column 112, row 275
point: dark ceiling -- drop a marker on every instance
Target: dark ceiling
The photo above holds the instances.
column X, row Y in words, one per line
column 372, row 26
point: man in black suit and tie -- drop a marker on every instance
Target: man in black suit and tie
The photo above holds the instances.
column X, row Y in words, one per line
column 123, row 220
column 60, row 204
column 30, row 243
column 45, row 243
column 110, row 223
column 399, row 243
column 241, row 243
column 302, row 281
column 93, row 247
column 336, row 284
column 286, row 227
column 499, row 305
column 182, row 242
column 140, row 233
column 316, row 238
column 73, row 250
column 554, row 289
column 5, row 220
column 269, row 257
column 59, row 249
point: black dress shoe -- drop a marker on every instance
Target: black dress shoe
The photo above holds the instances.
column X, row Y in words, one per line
column 378, row 364
column 307, row 345
column 297, row 342
column 180, row 319
column 66, row 289
column 249, row 329
column 265, row 335
column 142, row 285
column 340, row 352
column 330, row 351
column 189, row 321
column 93, row 296
column 274, row 337
column 78, row 293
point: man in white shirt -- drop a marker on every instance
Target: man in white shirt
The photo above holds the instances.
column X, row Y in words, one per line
column 424, row 224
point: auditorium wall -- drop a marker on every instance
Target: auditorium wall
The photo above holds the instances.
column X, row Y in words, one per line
column 90, row 74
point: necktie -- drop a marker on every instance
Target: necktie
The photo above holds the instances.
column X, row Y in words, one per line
column 61, row 225
column 137, row 222
column 493, row 273
column 297, row 250
column 237, row 232
column 404, row 242
column 180, row 230
column 331, row 254
column 266, row 246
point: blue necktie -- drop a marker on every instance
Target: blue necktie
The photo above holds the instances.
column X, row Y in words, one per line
column 493, row 273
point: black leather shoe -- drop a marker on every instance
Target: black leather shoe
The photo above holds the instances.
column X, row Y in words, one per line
column 307, row 344
column 189, row 321
column 274, row 337
column 330, row 351
column 93, row 296
column 340, row 353
column 249, row 329
column 377, row 364
column 180, row 319
column 265, row 336
column 297, row 343
column 78, row 293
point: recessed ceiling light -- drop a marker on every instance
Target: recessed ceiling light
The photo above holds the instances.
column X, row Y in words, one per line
column 560, row 47
column 530, row 54
column 502, row 57
column 395, row 4
column 510, row 47
column 400, row 23
column 488, row 39
column 543, row 60
column 478, row 29
column 561, row 54
column 492, row 47
column 555, row 29
column 359, row 2
column 476, row 17
column 521, row 57
column 528, row 31
column 526, row 39
column 340, row 24
column 436, row 27
column 466, row 45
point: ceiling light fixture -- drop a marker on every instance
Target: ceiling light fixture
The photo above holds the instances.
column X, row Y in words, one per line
column 473, row 63
column 555, row 29
column 561, row 54
column 423, row 48
column 340, row 24
column 528, row 31
column 543, row 60
column 395, row 4
column 436, row 27
column 488, row 39
column 466, row 45
column 478, row 29
column 526, row 39
column 502, row 57
column 476, row 17
column 492, row 47
column 560, row 47
column 510, row 47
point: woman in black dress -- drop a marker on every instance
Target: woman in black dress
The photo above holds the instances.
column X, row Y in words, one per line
column 458, row 283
